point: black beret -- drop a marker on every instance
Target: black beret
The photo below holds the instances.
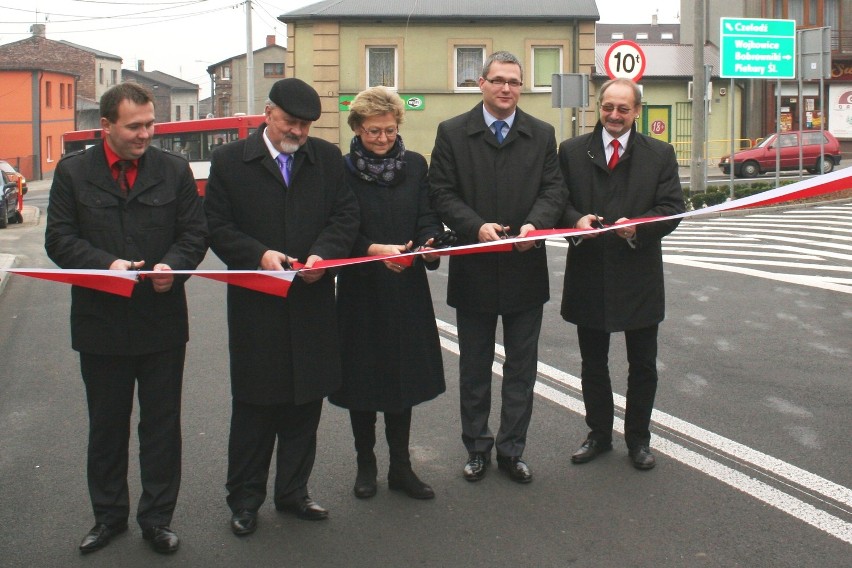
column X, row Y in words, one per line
column 296, row 98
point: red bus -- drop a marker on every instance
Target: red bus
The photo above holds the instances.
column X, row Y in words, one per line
column 192, row 139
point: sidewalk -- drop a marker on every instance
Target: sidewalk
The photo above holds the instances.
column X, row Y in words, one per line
column 31, row 216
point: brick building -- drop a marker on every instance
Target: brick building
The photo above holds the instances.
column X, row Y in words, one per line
column 174, row 98
column 96, row 70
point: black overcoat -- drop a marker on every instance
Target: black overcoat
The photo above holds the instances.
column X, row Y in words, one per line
column 282, row 350
column 90, row 225
column 474, row 181
column 391, row 350
column 609, row 285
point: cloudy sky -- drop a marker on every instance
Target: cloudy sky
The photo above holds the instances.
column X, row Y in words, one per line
column 182, row 37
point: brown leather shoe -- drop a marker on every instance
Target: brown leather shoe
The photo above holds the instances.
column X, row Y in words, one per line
column 590, row 449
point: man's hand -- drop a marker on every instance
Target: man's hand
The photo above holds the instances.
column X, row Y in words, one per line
column 490, row 232
column 311, row 275
column 590, row 221
column 162, row 282
column 526, row 245
column 627, row 233
column 393, row 265
column 121, row 264
column 274, row 260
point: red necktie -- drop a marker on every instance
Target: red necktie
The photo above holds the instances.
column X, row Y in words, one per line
column 123, row 166
column 613, row 160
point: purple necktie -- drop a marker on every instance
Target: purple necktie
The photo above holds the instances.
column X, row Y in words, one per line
column 284, row 165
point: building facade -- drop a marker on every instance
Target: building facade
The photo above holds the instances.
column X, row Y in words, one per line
column 174, row 99
column 36, row 108
column 229, row 78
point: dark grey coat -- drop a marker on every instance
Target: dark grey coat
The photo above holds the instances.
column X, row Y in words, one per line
column 391, row 350
column 90, row 225
column 474, row 181
column 282, row 350
column 610, row 286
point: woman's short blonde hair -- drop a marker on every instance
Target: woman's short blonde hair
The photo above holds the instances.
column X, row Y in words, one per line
column 375, row 101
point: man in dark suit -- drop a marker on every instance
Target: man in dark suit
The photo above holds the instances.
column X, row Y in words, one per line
column 494, row 173
column 272, row 199
column 122, row 205
column 614, row 282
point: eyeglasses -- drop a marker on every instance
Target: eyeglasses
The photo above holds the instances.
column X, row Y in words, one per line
column 621, row 109
column 499, row 82
column 377, row 132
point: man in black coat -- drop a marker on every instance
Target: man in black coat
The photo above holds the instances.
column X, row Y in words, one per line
column 614, row 282
column 122, row 205
column 494, row 172
column 272, row 199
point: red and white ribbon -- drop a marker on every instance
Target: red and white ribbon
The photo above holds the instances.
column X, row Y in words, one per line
column 121, row 282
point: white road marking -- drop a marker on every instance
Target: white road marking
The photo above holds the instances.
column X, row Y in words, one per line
column 809, row 482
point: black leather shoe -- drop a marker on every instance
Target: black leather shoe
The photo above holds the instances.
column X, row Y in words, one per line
column 244, row 522
column 306, row 509
column 477, row 462
column 517, row 469
column 162, row 539
column 590, row 450
column 365, row 482
column 642, row 457
column 100, row 535
column 404, row 479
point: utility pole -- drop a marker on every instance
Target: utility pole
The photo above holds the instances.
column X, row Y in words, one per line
column 697, row 181
column 250, row 63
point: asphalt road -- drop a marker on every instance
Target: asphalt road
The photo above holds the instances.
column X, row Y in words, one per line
column 751, row 434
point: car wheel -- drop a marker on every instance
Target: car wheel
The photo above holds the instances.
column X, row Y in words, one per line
column 827, row 165
column 750, row 169
column 4, row 219
column 19, row 217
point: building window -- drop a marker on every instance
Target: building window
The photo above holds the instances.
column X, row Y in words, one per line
column 381, row 67
column 617, row 35
column 468, row 65
column 70, row 96
column 177, row 112
column 667, row 36
column 191, row 112
column 273, row 69
column 48, row 94
column 113, row 77
column 642, row 35
column 101, row 75
column 226, row 107
column 226, row 73
column 61, row 95
column 545, row 62
column 49, row 148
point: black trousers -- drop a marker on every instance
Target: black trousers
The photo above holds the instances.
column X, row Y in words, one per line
column 641, row 383
column 254, row 430
column 110, row 382
column 476, row 356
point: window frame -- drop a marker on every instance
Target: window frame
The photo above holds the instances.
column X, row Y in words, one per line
column 395, row 43
column 280, row 65
column 455, row 45
column 529, row 49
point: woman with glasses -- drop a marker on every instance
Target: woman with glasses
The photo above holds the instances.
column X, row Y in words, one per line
column 391, row 351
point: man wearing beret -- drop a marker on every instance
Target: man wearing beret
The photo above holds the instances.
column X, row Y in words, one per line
column 273, row 199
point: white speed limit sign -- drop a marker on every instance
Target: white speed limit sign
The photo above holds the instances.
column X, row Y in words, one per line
column 625, row 59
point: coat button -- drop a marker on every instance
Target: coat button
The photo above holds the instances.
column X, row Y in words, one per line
column 128, row 240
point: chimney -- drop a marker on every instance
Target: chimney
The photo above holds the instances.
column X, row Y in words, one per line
column 270, row 40
column 38, row 30
column 140, row 65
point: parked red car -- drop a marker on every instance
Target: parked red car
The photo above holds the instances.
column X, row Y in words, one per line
column 761, row 158
column 9, row 202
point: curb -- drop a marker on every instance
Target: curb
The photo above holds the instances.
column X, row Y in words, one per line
column 6, row 261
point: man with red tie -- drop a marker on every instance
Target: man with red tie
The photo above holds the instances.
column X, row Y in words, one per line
column 124, row 205
column 614, row 280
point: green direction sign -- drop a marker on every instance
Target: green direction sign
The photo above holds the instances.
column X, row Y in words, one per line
column 758, row 48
